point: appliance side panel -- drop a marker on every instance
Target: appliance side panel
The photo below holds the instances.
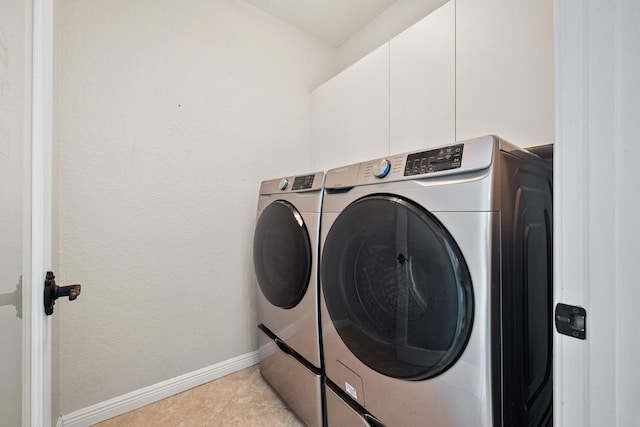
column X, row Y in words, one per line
column 527, row 290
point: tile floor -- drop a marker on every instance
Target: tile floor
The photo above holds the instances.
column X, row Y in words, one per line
column 240, row 399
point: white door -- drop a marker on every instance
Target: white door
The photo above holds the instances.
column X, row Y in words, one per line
column 597, row 190
column 25, row 211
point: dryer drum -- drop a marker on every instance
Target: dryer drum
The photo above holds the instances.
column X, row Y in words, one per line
column 397, row 288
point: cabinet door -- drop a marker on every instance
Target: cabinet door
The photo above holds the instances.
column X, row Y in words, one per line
column 350, row 114
column 422, row 76
column 367, row 103
column 504, row 70
column 328, row 124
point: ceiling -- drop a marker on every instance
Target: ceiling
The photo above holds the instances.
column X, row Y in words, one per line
column 334, row 21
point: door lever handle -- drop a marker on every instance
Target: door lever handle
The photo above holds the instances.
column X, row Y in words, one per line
column 52, row 292
column 71, row 291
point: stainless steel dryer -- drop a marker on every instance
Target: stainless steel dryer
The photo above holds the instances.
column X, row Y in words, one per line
column 436, row 284
column 285, row 255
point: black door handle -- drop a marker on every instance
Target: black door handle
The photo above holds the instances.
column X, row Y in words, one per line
column 52, row 292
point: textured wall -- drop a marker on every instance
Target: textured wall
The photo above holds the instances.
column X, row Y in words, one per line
column 167, row 116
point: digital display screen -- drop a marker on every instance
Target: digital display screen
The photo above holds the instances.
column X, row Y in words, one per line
column 434, row 160
column 302, row 182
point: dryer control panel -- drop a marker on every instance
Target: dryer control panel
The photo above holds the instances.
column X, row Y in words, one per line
column 304, row 182
column 293, row 184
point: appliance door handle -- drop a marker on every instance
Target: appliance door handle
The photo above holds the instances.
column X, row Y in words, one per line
column 283, row 346
column 372, row 421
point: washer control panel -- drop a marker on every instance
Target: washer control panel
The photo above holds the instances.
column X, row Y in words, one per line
column 425, row 164
column 434, row 160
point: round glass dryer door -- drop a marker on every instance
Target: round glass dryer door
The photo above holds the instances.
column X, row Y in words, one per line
column 397, row 288
column 282, row 254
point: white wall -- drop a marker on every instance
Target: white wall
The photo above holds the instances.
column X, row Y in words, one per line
column 168, row 114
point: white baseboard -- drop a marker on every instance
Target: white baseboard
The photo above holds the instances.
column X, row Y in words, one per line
column 137, row 399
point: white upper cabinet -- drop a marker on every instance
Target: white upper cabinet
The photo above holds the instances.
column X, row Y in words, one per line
column 469, row 68
column 367, row 102
column 504, row 70
column 328, row 124
column 422, row 79
column 350, row 114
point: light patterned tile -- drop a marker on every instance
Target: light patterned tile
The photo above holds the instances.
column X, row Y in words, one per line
column 248, row 414
column 162, row 413
column 243, row 398
column 118, row 421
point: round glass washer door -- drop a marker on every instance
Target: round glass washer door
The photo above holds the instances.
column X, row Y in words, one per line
column 397, row 287
column 282, row 254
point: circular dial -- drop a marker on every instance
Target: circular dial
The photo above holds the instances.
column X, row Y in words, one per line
column 283, row 184
column 382, row 168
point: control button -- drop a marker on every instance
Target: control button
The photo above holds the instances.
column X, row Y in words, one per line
column 382, row 169
column 283, row 184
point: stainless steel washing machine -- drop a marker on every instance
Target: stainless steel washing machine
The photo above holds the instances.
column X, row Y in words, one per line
column 285, row 255
column 436, row 284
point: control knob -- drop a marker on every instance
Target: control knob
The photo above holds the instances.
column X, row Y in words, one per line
column 382, row 168
column 283, row 184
